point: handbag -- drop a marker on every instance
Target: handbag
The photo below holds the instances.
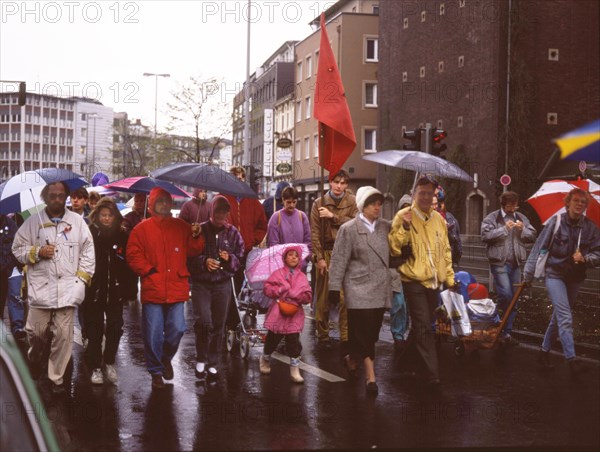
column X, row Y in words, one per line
column 454, row 304
column 540, row 264
column 286, row 308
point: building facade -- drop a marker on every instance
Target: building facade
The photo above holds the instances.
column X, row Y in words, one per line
column 353, row 29
column 485, row 71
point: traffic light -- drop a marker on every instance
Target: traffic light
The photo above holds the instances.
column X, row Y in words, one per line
column 415, row 140
column 437, row 142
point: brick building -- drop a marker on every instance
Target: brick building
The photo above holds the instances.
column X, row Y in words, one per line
column 447, row 63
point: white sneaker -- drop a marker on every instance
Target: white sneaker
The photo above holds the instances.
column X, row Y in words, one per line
column 97, row 378
column 111, row 373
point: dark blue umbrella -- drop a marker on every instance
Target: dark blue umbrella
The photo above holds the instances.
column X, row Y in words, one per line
column 209, row 177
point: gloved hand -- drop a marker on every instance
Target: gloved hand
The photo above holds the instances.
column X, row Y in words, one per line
column 334, row 297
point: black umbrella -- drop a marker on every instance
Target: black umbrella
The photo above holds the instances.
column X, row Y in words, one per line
column 209, row 177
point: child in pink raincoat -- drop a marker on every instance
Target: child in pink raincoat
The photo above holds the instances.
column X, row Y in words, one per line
column 289, row 285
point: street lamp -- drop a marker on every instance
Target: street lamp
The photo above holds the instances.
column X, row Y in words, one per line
column 87, row 135
column 150, row 74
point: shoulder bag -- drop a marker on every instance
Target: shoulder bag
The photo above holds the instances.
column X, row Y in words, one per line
column 540, row 264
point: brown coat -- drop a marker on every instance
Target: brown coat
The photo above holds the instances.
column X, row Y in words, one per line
column 345, row 211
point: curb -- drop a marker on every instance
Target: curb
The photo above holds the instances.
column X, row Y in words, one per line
column 583, row 350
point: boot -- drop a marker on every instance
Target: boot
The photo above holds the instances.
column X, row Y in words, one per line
column 544, row 360
column 295, row 370
column 265, row 364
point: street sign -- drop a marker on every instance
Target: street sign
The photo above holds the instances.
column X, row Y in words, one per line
column 284, row 143
column 283, row 167
column 505, row 180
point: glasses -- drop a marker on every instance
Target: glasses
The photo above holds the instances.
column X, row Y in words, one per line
column 55, row 196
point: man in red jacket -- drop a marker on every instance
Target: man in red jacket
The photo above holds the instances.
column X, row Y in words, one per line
column 157, row 251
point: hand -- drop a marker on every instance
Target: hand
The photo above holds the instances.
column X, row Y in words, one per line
column 407, row 219
column 324, row 212
column 578, row 257
column 47, row 251
column 195, row 229
column 519, row 225
column 224, row 255
column 322, row 266
column 212, row 264
column 510, row 224
column 334, row 297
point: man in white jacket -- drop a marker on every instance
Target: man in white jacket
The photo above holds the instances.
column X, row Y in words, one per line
column 59, row 254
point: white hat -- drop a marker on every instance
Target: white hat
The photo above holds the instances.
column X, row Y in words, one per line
column 363, row 194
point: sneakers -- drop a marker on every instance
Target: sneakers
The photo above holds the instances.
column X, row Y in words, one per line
column 211, row 374
column 265, row 365
column 295, row 370
column 200, row 371
column 97, row 378
column 544, row 360
column 168, row 373
column 509, row 341
column 157, row 381
column 111, row 373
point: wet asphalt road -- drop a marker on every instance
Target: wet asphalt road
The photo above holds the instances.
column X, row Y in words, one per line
column 500, row 399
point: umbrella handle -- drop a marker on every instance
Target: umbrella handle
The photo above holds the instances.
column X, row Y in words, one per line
column 40, row 217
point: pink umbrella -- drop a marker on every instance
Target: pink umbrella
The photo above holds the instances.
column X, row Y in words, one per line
column 262, row 262
column 145, row 185
column 549, row 199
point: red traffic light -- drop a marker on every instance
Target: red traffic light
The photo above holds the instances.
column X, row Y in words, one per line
column 439, row 135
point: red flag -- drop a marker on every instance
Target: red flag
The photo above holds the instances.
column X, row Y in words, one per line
column 336, row 132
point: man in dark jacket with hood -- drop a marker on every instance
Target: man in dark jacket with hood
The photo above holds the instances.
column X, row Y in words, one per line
column 274, row 203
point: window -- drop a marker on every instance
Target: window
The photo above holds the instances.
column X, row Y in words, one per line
column 553, row 54
column 372, row 49
column 370, row 94
column 307, row 148
column 376, row 10
column 422, row 72
column 297, row 151
column 307, row 105
column 461, row 61
column 316, row 144
column 316, row 60
column 370, row 140
column 441, row 66
column 459, row 121
column 83, row 132
column 405, row 23
column 299, row 72
column 423, row 16
column 298, row 111
column 308, row 67
column 405, row 76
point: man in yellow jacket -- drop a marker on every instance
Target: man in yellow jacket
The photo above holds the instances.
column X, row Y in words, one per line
column 426, row 270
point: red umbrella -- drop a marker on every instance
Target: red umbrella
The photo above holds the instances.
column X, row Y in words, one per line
column 549, row 199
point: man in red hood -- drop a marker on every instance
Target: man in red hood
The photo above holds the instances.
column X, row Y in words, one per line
column 157, row 251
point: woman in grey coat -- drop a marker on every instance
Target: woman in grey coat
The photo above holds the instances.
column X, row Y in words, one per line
column 360, row 267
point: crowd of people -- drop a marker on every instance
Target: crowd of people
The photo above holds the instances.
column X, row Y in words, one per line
column 87, row 260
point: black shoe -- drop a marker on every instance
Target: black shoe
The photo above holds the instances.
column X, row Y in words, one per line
column 577, row 367
column 372, row 388
column 212, row 374
column 20, row 335
column 58, row 389
column 544, row 360
column 157, row 381
column 168, row 373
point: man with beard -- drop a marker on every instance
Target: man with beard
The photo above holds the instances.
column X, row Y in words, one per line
column 197, row 209
column 60, row 259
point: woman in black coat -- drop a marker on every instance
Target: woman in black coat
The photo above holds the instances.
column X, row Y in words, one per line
column 105, row 295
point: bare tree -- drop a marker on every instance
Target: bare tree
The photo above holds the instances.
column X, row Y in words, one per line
column 200, row 120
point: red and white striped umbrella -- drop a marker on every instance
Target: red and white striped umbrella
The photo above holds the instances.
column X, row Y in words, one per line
column 549, row 199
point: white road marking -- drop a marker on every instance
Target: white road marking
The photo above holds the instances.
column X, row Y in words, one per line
column 310, row 369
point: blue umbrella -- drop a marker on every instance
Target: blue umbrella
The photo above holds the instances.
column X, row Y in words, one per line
column 22, row 192
column 209, row 177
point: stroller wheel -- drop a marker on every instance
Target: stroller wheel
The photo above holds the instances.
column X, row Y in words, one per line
column 459, row 349
column 230, row 340
column 244, row 346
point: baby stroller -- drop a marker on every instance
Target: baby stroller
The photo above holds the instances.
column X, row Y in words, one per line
column 251, row 301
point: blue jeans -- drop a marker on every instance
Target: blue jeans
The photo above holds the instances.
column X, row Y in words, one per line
column 163, row 325
column 398, row 316
column 505, row 277
column 562, row 295
column 16, row 306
